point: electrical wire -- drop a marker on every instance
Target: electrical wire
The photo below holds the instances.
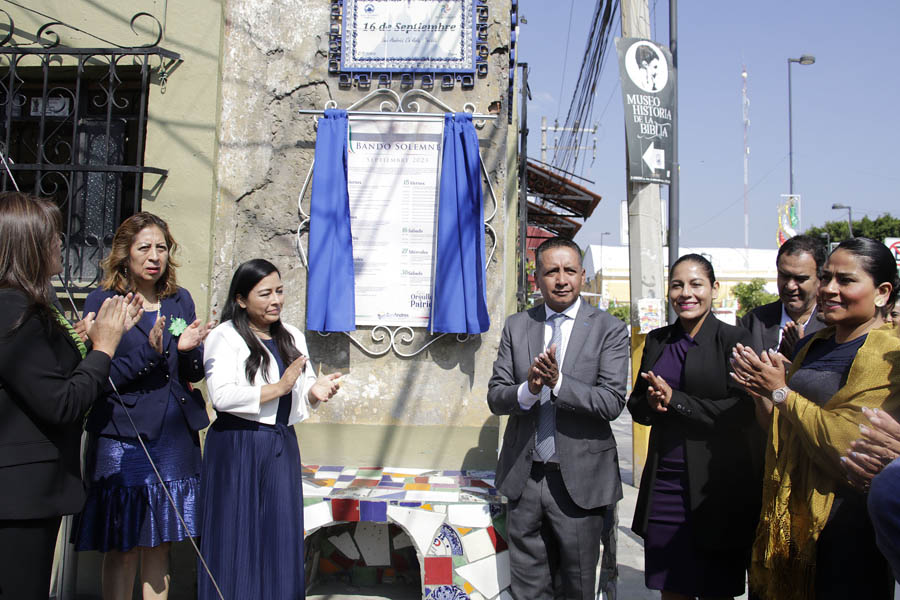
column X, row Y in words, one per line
column 581, row 106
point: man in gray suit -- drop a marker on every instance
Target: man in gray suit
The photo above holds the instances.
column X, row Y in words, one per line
column 781, row 324
column 560, row 374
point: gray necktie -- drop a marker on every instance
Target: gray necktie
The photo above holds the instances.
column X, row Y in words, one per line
column 545, row 438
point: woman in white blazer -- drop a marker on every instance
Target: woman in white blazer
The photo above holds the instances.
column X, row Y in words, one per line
column 260, row 384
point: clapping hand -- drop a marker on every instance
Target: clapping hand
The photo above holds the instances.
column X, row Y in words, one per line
column 107, row 328
column 790, row 335
column 325, row 387
column 134, row 310
column 156, row 334
column 760, row 375
column 659, row 392
column 879, row 446
column 194, row 334
column 544, row 370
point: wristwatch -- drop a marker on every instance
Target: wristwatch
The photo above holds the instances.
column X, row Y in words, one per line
column 780, row 395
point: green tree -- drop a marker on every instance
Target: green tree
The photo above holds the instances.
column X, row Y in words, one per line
column 750, row 295
column 621, row 311
column 877, row 229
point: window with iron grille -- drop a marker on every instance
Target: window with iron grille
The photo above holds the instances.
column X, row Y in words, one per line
column 73, row 128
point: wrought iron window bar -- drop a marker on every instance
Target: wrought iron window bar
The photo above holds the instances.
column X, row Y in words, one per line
column 73, row 128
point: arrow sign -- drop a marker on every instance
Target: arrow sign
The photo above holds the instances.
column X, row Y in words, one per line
column 655, row 157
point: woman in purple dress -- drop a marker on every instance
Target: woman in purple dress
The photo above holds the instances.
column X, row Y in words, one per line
column 700, row 491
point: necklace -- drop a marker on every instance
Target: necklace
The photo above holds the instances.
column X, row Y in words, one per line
column 151, row 306
column 260, row 333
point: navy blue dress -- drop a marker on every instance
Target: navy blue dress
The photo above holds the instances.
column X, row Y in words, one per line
column 126, row 505
column 672, row 562
column 252, row 507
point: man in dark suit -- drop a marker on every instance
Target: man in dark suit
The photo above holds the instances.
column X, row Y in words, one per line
column 560, row 375
column 781, row 324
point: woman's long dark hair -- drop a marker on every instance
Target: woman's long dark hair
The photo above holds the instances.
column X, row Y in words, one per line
column 28, row 227
column 244, row 280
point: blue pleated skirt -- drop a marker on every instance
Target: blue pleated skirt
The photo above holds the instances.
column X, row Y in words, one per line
column 126, row 505
column 251, row 511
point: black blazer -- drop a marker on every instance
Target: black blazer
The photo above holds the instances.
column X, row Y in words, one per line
column 763, row 323
column 45, row 390
column 723, row 443
column 594, row 372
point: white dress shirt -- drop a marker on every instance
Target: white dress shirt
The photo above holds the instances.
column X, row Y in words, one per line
column 785, row 319
column 526, row 398
column 224, row 355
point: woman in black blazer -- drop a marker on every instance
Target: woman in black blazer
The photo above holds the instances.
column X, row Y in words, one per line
column 48, row 380
column 700, row 490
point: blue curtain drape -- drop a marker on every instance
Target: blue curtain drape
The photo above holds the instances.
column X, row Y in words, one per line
column 330, row 305
column 459, row 302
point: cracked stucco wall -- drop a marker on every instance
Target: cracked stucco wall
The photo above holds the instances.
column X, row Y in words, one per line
column 274, row 62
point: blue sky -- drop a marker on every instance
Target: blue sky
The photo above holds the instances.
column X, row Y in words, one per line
column 844, row 110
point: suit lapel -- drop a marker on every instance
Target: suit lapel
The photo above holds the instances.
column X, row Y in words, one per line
column 580, row 328
column 536, row 331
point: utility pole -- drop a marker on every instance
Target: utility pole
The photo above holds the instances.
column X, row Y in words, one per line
column 674, row 193
column 645, row 253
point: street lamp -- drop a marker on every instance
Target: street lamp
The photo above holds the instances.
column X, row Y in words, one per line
column 805, row 59
column 849, row 215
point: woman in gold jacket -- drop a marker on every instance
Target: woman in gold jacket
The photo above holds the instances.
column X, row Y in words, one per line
column 815, row 539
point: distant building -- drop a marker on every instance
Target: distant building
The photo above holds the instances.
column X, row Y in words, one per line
column 607, row 271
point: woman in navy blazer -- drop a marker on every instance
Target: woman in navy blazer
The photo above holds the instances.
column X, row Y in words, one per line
column 48, row 380
column 128, row 515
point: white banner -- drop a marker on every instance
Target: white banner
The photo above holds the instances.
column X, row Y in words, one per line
column 393, row 172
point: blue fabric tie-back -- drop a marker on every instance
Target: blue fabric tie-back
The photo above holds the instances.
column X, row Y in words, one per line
column 459, row 303
column 330, row 304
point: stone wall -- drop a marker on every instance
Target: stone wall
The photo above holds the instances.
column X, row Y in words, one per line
column 426, row 411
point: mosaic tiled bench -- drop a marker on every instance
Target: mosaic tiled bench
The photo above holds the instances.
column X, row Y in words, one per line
column 455, row 519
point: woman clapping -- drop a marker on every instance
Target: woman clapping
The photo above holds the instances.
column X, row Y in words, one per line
column 128, row 516
column 260, row 383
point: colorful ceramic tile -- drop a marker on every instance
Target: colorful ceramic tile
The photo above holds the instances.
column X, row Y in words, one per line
column 438, row 570
column 463, row 530
column 316, row 515
column 430, row 496
column 417, row 486
column 489, row 575
column 421, row 525
column 360, row 482
column 373, row 511
column 478, row 545
column 373, row 543
column 469, row 515
column 446, row 592
column 446, row 543
column 499, row 543
column 345, row 509
column 344, row 543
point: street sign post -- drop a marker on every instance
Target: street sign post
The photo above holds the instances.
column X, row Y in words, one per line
column 648, row 84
